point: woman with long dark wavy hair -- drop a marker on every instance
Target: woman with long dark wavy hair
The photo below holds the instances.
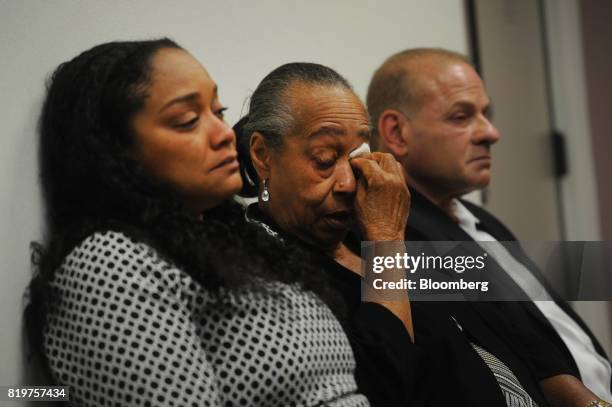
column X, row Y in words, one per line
column 152, row 289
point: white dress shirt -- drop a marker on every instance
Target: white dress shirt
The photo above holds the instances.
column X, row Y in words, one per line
column 595, row 370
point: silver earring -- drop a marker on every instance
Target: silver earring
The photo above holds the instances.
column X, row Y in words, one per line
column 265, row 195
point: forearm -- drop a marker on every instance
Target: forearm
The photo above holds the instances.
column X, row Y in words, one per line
column 396, row 302
column 402, row 310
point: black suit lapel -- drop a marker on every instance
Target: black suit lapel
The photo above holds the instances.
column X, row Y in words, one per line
column 501, row 233
column 426, row 219
column 427, row 222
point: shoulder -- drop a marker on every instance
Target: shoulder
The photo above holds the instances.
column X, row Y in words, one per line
column 476, row 209
column 112, row 259
column 426, row 221
column 119, row 312
column 501, row 231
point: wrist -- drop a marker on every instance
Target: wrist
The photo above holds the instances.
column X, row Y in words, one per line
column 385, row 238
column 599, row 403
column 375, row 235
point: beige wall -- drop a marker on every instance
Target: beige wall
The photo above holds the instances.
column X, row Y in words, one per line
column 238, row 41
column 523, row 187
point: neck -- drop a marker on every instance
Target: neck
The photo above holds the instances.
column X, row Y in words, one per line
column 327, row 250
column 344, row 256
column 444, row 201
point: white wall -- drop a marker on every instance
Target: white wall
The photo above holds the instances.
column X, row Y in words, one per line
column 238, row 41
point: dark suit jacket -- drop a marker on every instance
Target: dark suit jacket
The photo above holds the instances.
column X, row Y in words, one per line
column 428, row 223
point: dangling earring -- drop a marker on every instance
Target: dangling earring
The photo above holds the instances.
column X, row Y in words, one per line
column 265, row 195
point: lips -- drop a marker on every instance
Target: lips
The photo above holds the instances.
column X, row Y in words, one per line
column 481, row 158
column 339, row 219
column 228, row 162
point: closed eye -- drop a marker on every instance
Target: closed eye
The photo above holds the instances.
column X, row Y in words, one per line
column 220, row 113
column 188, row 125
column 459, row 117
column 324, row 164
column 324, row 160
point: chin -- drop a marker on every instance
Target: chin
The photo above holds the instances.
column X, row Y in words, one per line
column 485, row 181
column 481, row 179
column 332, row 240
column 232, row 185
column 219, row 194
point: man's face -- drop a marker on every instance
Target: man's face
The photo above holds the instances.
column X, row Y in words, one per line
column 449, row 137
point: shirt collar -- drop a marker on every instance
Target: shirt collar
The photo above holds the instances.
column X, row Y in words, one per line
column 466, row 219
column 253, row 214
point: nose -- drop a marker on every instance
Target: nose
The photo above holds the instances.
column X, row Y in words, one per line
column 222, row 134
column 486, row 133
column 345, row 178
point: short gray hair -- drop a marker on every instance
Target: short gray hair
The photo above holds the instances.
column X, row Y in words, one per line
column 396, row 86
column 271, row 114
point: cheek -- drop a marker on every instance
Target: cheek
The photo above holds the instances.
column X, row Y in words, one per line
column 305, row 199
column 302, row 197
column 452, row 146
column 183, row 162
column 298, row 181
column 313, row 192
column 165, row 148
column 463, row 151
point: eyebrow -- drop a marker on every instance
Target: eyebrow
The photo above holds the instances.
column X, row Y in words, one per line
column 462, row 105
column 335, row 131
column 466, row 104
column 327, row 131
column 469, row 105
column 188, row 98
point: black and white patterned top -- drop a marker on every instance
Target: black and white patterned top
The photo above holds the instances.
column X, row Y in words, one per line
column 130, row 329
column 513, row 391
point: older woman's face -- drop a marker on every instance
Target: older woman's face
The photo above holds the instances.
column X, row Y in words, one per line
column 181, row 137
column 311, row 183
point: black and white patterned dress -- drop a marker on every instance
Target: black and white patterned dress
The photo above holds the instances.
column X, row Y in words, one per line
column 130, row 329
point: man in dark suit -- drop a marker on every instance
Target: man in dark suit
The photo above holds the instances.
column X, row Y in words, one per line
column 429, row 109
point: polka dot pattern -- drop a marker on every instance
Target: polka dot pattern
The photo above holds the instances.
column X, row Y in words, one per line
column 130, row 329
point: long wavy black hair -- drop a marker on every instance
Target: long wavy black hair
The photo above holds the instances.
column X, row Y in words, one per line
column 91, row 183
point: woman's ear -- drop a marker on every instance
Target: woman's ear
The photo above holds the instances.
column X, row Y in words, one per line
column 260, row 155
column 394, row 131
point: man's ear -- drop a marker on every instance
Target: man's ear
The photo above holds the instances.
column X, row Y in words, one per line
column 394, row 131
column 260, row 155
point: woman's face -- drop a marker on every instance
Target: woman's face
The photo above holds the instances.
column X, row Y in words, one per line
column 181, row 137
column 311, row 182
